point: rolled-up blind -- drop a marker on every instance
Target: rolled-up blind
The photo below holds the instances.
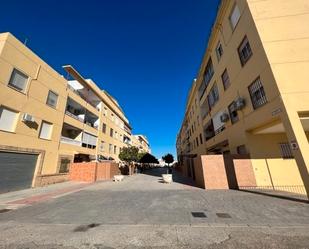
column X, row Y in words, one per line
column 89, row 139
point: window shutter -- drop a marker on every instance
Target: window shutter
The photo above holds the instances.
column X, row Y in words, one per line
column 45, row 130
column 7, row 119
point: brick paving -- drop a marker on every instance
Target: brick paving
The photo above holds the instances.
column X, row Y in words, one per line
column 143, row 212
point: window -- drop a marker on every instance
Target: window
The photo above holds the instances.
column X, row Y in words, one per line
column 204, row 109
column 52, row 99
column 225, row 79
column 218, row 125
column 257, row 94
column 64, row 165
column 89, row 141
column 219, row 51
column 233, row 112
column 196, row 141
column 102, row 146
column 201, row 138
column 234, row 17
column 241, row 150
column 209, row 72
column 244, row 51
column 18, row 80
column 111, row 132
column 8, row 119
column 46, row 130
column 198, row 120
column 115, row 149
column 286, row 151
column 104, row 128
column 213, row 96
column 110, row 148
column 116, row 134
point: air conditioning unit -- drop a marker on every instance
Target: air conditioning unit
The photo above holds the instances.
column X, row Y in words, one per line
column 28, row 118
column 224, row 117
column 240, row 103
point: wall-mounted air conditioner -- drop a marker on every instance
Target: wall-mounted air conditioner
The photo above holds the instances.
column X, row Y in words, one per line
column 28, row 118
column 240, row 103
column 224, row 117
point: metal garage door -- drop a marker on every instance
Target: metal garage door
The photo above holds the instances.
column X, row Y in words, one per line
column 16, row 171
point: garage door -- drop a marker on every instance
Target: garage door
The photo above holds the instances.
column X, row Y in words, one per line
column 16, row 171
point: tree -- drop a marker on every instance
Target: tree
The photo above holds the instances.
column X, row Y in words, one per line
column 129, row 155
column 168, row 158
column 148, row 158
column 140, row 155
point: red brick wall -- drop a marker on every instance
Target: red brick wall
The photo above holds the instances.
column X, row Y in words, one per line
column 244, row 171
column 84, row 172
column 102, row 171
column 214, row 172
column 92, row 171
column 199, row 172
column 43, row 180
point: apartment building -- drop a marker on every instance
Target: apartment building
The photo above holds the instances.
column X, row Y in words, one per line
column 48, row 121
column 249, row 98
column 141, row 142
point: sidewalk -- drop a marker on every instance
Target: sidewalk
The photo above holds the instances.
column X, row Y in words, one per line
column 17, row 199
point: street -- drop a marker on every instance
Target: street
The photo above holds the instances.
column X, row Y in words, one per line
column 143, row 212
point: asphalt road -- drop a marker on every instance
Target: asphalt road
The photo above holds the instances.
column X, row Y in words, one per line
column 143, row 212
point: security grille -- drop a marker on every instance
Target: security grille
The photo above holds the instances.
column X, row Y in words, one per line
column 257, row 93
column 286, row 151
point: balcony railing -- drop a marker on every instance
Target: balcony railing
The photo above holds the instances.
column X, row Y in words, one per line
column 74, row 116
column 68, row 140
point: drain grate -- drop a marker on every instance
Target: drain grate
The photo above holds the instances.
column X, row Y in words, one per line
column 198, row 214
column 223, row 215
column 4, row 210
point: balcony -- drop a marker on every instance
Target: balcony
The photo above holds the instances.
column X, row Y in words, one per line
column 71, row 141
column 209, row 130
column 126, row 140
column 71, row 135
column 78, row 112
column 75, row 110
column 91, row 120
column 85, row 93
column 127, row 129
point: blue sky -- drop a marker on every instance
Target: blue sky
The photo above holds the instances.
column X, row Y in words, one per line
column 143, row 52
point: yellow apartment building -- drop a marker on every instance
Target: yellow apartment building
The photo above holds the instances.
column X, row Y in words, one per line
column 48, row 121
column 250, row 95
column 141, row 142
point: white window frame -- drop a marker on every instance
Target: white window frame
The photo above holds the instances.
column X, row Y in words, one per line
column 12, row 122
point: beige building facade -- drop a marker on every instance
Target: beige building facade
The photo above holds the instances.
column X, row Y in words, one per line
column 250, row 94
column 141, row 142
column 48, row 121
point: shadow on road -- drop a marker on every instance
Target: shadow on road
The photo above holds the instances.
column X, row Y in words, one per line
column 157, row 172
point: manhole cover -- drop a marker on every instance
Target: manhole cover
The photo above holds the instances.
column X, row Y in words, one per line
column 223, row 215
column 198, row 214
column 4, row 210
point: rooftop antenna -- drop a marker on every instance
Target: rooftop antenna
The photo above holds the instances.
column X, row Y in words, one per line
column 25, row 42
